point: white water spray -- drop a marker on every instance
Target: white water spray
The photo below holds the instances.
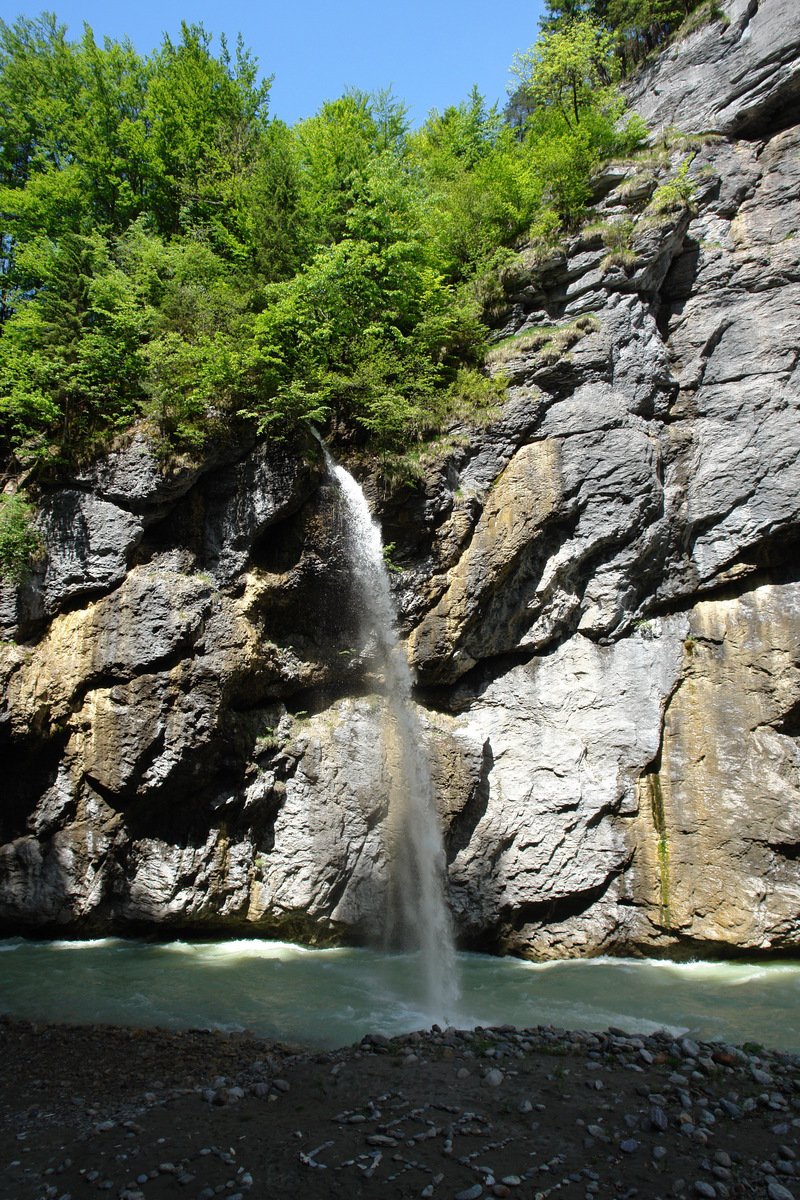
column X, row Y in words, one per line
column 417, row 916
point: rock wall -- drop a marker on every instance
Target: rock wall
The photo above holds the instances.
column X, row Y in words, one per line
column 600, row 593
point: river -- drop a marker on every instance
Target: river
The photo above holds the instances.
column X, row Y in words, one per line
column 333, row 997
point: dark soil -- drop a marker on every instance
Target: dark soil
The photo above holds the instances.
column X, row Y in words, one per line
column 93, row 1111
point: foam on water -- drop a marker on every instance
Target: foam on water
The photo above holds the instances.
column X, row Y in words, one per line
column 332, row 997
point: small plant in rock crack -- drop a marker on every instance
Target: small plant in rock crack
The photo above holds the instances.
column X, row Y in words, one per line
column 677, row 193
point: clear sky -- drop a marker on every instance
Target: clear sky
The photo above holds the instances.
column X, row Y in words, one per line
column 430, row 53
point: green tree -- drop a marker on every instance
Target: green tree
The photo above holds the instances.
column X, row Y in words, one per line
column 270, row 213
column 642, row 25
column 336, row 148
column 111, row 140
column 69, row 363
column 570, row 71
column 558, row 13
column 171, row 254
column 204, row 116
column 456, row 140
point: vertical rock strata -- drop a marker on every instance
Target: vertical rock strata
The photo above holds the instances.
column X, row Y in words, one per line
column 601, row 597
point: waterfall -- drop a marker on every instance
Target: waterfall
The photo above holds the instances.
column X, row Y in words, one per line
column 417, row 916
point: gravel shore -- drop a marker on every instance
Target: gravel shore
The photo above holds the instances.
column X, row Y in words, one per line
column 93, row 1111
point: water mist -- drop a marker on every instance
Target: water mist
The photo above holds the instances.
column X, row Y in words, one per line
column 417, row 917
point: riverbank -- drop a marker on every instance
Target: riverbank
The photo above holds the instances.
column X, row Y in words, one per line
column 146, row 1115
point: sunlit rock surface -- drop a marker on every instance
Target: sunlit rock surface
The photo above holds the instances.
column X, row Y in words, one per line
column 600, row 594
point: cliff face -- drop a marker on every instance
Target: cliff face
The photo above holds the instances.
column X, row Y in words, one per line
column 601, row 598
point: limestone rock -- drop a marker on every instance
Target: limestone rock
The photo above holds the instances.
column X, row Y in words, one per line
column 736, row 75
column 718, row 830
column 89, row 545
column 567, row 737
column 132, row 477
column 600, row 596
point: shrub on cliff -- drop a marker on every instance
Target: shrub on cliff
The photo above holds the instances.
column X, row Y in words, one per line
column 20, row 541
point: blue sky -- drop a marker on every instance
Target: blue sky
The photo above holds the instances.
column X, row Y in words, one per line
column 430, row 53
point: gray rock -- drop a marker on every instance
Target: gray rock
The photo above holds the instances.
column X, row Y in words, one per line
column 733, row 76
column 776, row 1191
column 133, row 477
column 242, row 503
column 600, row 600
column 88, row 548
column 658, row 1118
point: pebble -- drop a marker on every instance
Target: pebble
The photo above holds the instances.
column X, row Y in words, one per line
column 631, row 1115
column 658, row 1118
column 776, row 1191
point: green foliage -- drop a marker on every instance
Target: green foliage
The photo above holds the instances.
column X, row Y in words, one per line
column 641, row 26
column 560, row 12
column 547, row 343
column 360, row 338
column 391, row 566
column 71, row 357
column 676, row 193
column 20, row 541
column 570, row 71
column 171, row 254
column 638, row 26
column 569, row 80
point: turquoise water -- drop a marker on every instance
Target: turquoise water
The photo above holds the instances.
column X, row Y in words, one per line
column 333, row 997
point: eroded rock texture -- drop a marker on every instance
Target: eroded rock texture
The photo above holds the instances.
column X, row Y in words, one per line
column 600, row 594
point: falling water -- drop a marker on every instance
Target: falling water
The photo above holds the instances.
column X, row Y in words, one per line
column 417, row 916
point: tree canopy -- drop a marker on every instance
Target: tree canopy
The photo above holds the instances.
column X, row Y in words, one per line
column 171, row 253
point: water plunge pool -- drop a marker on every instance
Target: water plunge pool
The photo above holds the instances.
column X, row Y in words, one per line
column 332, row 997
